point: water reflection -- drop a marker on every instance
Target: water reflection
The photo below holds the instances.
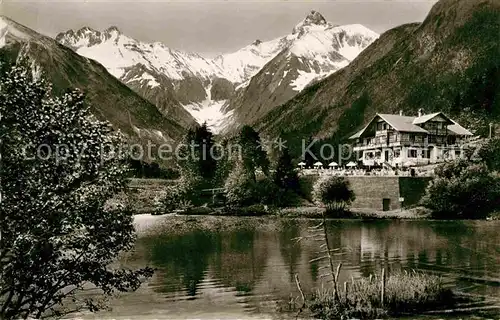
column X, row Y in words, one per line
column 250, row 270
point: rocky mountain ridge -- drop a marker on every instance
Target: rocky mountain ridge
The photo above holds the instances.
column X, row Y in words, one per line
column 178, row 83
column 109, row 98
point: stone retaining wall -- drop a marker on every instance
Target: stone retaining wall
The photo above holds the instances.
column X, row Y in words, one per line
column 371, row 191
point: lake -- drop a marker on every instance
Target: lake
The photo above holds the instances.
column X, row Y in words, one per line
column 244, row 268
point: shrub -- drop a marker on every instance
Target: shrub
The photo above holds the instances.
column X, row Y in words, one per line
column 198, row 211
column 490, row 154
column 266, row 192
column 306, row 184
column 251, row 210
column 462, row 190
column 334, row 193
column 285, row 198
column 240, row 187
column 181, row 196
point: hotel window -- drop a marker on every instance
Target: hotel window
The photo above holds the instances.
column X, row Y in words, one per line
column 436, row 139
column 397, row 153
column 424, row 154
column 412, row 153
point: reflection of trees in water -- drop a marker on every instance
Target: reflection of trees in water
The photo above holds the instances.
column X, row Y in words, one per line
column 314, row 269
column 290, row 249
column 473, row 245
column 237, row 257
column 182, row 259
column 432, row 245
column 240, row 259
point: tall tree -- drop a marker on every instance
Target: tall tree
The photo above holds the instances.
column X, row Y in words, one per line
column 197, row 154
column 59, row 167
column 254, row 155
column 285, row 176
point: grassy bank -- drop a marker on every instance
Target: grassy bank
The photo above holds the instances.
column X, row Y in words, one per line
column 182, row 224
column 355, row 213
column 310, row 212
column 371, row 297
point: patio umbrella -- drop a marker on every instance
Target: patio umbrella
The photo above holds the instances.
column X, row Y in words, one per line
column 301, row 164
column 333, row 164
column 318, row 164
column 351, row 164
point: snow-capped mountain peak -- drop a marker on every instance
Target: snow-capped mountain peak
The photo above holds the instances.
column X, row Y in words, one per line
column 347, row 40
column 313, row 21
column 112, row 29
column 257, row 42
column 12, row 31
column 88, row 37
column 314, row 17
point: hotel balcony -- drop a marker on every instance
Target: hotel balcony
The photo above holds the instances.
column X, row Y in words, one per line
column 383, row 143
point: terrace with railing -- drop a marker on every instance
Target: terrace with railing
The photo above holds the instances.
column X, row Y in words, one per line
column 393, row 140
column 386, row 172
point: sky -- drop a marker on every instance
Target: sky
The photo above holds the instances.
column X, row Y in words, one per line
column 208, row 27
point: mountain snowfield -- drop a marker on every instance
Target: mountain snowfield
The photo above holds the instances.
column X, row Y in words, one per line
column 186, row 78
column 315, row 43
column 210, row 111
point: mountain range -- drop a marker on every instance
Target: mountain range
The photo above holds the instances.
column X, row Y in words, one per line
column 187, row 87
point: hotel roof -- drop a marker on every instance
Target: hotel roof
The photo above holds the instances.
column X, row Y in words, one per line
column 402, row 123
column 410, row 124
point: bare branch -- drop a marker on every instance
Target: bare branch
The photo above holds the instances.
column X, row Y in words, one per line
column 297, row 281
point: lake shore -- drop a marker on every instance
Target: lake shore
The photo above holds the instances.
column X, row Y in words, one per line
column 307, row 212
column 178, row 222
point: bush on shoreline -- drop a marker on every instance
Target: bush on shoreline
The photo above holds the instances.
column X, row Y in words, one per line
column 405, row 293
column 463, row 190
column 334, row 193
